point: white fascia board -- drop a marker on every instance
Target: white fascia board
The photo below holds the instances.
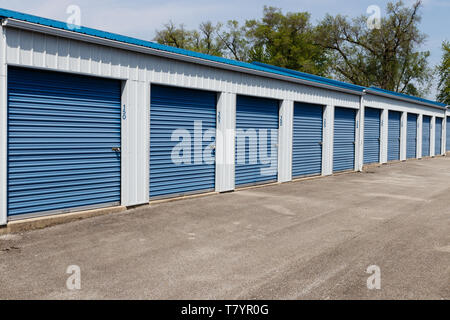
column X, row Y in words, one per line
column 386, row 95
column 9, row 22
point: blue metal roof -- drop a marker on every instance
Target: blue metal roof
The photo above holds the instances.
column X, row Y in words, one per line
column 311, row 77
column 5, row 13
column 406, row 96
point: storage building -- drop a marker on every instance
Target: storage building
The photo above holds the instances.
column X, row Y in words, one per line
column 90, row 119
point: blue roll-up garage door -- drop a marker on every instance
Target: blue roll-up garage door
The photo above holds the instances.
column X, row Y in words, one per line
column 256, row 140
column 307, row 140
column 344, row 139
column 394, row 135
column 438, row 137
column 448, row 134
column 372, row 130
column 62, row 129
column 182, row 138
column 426, row 129
column 411, row 136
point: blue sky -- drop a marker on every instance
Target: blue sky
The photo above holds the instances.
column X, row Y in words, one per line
column 140, row 18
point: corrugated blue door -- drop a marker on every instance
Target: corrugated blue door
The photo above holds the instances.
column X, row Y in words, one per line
column 394, row 135
column 426, row 129
column 448, row 134
column 307, row 140
column 61, row 131
column 344, row 139
column 372, row 130
column 411, row 136
column 182, row 139
column 256, row 140
column 438, row 137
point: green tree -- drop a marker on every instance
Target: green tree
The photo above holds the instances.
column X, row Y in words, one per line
column 286, row 40
column 235, row 43
column 386, row 57
column 174, row 36
column 204, row 40
column 444, row 75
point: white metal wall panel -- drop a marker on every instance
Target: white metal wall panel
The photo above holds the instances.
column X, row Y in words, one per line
column 419, row 136
column 384, row 135
column 3, row 129
column 426, row 136
column 438, row 137
column 76, row 56
column 403, row 135
column 285, row 141
column 328, row 139
column 225, row 141
column 135, row 117
column 432, row 135
column 374, row 101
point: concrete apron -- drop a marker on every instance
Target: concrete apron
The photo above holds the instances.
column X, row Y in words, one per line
column 52, row 220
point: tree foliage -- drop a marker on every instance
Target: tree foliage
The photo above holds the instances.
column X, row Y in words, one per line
column 338, row 47
column 444, row 75
column 286, row 40
column 386, row 57
column 203, row 40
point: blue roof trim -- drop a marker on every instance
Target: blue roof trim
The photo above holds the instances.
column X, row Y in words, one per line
column 314, row 78
column 402, row 95
column 5, row 13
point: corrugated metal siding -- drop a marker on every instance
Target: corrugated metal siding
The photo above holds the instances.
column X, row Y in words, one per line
column 76, row 56
column 448, row 134
column 438, row 137
column 382, row 102
column 411, row 136
column 394, row 135
column 261, row 117
column 61, row 132
column 307, row 139
column 372, row 131
column 426, row 133
column 181, row 110
column 344, row 139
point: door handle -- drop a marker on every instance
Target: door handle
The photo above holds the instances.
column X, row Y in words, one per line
column 116, row 149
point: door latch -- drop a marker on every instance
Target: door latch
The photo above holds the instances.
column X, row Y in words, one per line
column 116, row 149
